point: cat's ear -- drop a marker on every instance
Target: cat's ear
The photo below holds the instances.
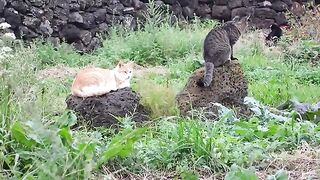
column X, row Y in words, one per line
column 120, row 64
column 236, row 19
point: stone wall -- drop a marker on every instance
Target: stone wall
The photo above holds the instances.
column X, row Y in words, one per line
column 79, row 22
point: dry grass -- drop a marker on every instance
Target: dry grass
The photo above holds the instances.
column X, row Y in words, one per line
column 305, row 27
column 300, row 164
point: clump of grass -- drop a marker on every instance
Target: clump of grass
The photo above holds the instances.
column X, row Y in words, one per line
column 159, row 98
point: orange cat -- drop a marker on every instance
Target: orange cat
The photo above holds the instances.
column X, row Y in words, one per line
column 93, row 81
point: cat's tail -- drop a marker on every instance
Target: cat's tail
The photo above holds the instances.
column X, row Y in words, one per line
column 88, row 92
column 208, row 75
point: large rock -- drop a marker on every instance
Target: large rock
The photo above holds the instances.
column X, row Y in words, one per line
column 3, row 3
column 221, row 12
column 229, row 87
column 12, row 17
column 103, row 110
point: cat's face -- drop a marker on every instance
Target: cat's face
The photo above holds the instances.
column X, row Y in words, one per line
column 123, row 71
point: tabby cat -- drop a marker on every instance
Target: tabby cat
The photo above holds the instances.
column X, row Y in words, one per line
column 218, row 47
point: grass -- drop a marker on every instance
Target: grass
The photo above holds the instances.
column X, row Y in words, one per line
column 36, row 141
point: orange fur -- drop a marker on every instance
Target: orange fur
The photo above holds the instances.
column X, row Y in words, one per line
column 94, row 81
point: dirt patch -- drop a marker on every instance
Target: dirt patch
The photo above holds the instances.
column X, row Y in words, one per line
column 140, row 71
column 57, row 72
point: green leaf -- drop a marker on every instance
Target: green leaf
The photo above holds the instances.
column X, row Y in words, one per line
column 189, row 175
column 122, row 144
column 280, row 175
column 66, row 136
column 239, row 173
column 19, row 133
column 68, row 119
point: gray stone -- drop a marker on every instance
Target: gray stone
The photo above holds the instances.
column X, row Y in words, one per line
column 94, row 44
column 37, row 3
column 126, row 3
column 288, row 2
column 103, row 29
column 74, row 7
column 241, row 12
column 264, row 13
column 31, row 22
column 85, row 37
column 221, row 12
column 100, row 15
column 281, row 19
column 234, row 3
column 88, row 21
column 57, row 24
column 188, row 12
column 262, row 23
column 203, row 10
column 75, row 17
column 279, row 6
column 45, row 28
column 220, row 2
column 169, row 1
column 48, row 14
column 70, row 33
column 79, row 46
column 3, row 3
column 115, row 9
column 61, row 13
column 26, row 33
column 20, row 6
column 36, row 12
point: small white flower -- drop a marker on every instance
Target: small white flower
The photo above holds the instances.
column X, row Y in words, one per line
column 9, row 35
column 4, row 25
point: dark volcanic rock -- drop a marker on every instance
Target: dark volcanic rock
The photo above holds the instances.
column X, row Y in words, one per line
column 203, row 10
column 70, row 33
column 229, row 87
column 26, row 33
column 264, row 13
column 47, row 18
column 45, row 29
column 102, row 111
column 221, row 12
column 262, row 23
column 234, row 3
column 12, row 17
column 279, row 6
column 85, row 37
column 3, row 3
column 20, row 6
column 75, row 17
column 31, row 22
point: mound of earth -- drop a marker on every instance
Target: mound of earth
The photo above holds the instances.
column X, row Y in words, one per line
column 229, row 88
column 102, row 111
